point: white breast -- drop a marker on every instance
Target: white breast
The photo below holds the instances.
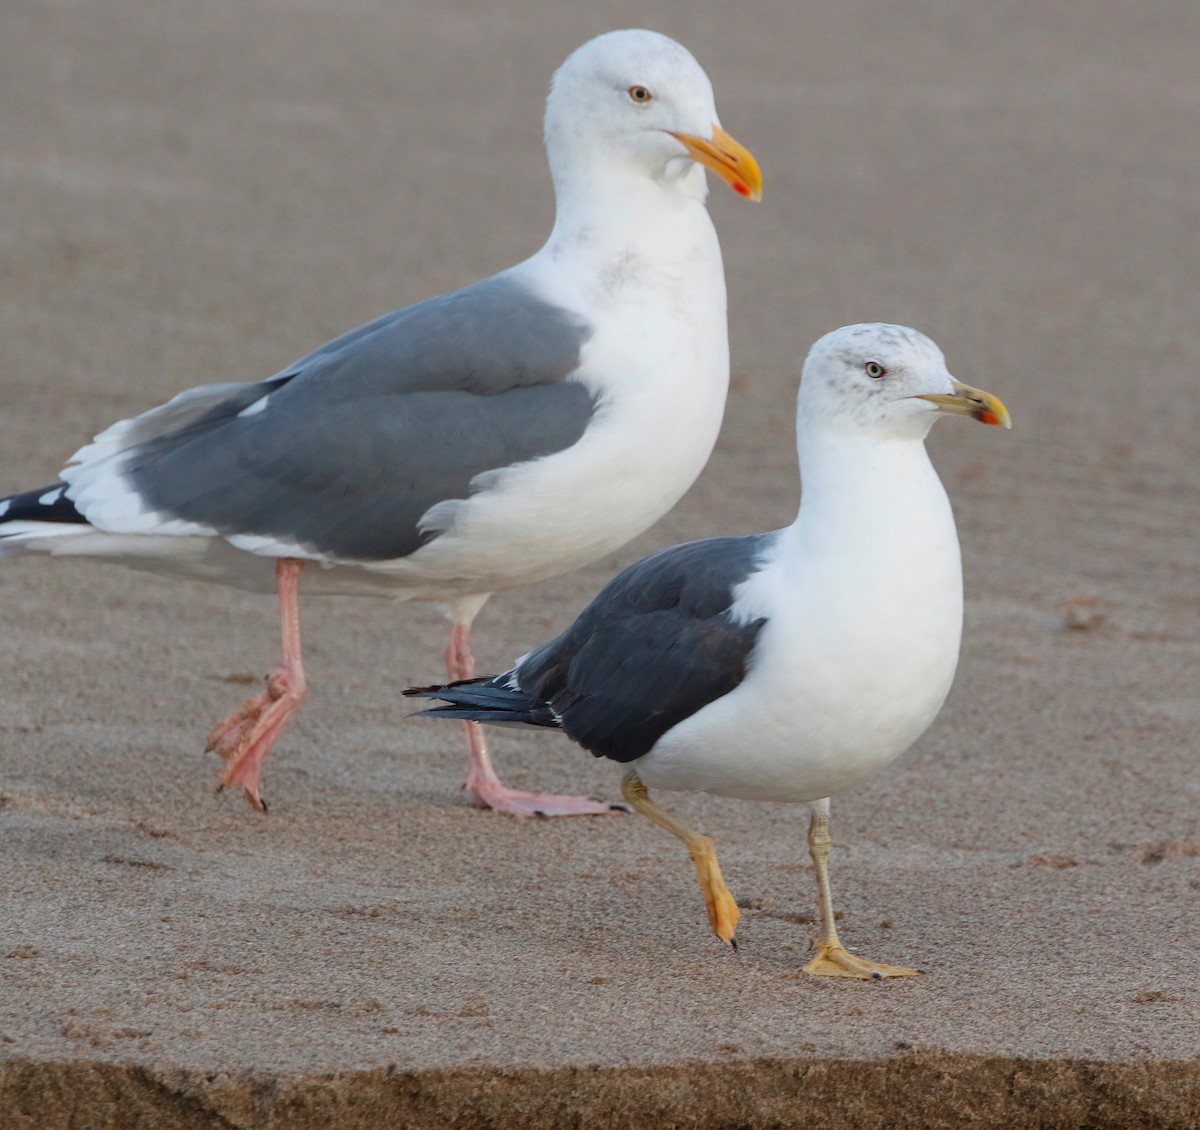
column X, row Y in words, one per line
column 658, row 362
column 855, row 661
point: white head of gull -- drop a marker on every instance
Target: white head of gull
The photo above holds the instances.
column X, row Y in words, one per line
column 484, row 439
column 787, row 666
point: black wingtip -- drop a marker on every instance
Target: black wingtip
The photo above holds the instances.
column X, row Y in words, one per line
column 434, row 690
column 45, row 504
column 422, row 692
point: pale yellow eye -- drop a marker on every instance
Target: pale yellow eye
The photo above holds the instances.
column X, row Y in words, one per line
column 875, row 369
column 640, row 94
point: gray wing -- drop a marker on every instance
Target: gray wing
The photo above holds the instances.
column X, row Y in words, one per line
column 655, row 646
column 358, row 439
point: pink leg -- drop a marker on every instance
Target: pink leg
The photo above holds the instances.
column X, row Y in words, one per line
column 485, row 787
column 245, row 738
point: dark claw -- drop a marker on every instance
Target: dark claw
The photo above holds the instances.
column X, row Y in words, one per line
column 733, row 944
column 618, row 808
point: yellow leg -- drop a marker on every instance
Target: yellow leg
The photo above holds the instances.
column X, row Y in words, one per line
column 723, row 913
column 832, row 958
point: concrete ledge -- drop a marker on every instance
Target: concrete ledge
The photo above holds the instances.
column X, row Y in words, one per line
column 925, row 1089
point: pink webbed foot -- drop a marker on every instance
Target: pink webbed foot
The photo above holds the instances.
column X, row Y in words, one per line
column 500, row 798
column 245, row 738
column 485, row 787
column 247, row 735
column 488, row 791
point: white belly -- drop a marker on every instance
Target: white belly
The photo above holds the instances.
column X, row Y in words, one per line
column 658, row 363
column 800, row 742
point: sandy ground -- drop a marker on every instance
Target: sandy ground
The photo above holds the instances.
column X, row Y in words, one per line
column 195, row 192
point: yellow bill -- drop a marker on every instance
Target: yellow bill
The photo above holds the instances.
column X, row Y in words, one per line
column 973, row 402
column 730, row 160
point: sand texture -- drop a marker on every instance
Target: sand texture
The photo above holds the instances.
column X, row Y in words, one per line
column 200, row 192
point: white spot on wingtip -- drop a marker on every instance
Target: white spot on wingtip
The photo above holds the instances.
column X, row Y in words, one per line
column 253, row 409
column 50, row 497
column 268, row 545
column 5, row 503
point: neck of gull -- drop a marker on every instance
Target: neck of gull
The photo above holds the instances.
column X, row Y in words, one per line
column 873, row 514
column 614, row 207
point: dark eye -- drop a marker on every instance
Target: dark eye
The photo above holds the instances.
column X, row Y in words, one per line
column 875, row 369
column 640, row 94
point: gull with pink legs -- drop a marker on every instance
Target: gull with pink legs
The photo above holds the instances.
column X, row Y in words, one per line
column 481, row 440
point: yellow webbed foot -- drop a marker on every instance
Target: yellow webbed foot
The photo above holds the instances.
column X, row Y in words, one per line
column 723, row 912
column 836, row 961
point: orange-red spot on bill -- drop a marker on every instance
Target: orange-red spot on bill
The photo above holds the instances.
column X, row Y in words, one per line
column 740, row 189
column 987, row 417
